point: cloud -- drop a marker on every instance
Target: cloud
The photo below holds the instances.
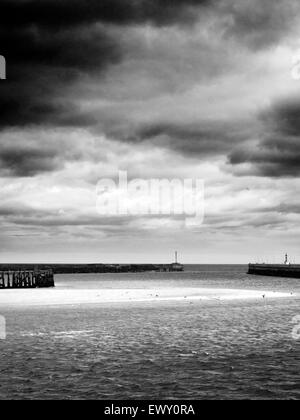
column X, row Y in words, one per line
column 199, row 139
column 27, row 161
column 26, row 153
column 277, row 153
column 51, row 45
column 42, row 65
column 121, row 12
column 161, row 88
column 259, row 24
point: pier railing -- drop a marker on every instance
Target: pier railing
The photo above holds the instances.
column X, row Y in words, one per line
column 26, row 279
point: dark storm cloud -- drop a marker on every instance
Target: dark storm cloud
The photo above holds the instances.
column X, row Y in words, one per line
column 26, row 153
column 278, row 153
column 36, row 110
column 27, row 161
column 78, row 12
column 258, row 24
column 41, row 64
column 75, row 48
column 50, row 44
column 284, row 117
column 204, row 138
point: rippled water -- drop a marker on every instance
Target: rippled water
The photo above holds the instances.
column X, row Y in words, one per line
column 240, row 349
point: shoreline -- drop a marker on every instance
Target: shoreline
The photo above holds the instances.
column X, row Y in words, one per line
column 59, row 297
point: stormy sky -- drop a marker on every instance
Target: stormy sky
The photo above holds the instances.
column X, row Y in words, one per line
column 200, row 89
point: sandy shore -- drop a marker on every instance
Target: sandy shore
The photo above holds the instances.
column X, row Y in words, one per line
column 47, row 297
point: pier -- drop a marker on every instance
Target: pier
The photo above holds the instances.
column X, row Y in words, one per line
column 49, row 270
column 26, row 279
column 94, row 268
column 275, row 270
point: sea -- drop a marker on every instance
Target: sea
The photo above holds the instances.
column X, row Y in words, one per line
column 241, row 349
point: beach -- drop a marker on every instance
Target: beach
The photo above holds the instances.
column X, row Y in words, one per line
column 56, row 296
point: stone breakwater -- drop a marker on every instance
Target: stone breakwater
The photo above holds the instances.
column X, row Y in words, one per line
column 94, row 268
column 275, row 270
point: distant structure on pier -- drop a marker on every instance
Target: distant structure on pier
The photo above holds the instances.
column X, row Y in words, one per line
column 176, row 266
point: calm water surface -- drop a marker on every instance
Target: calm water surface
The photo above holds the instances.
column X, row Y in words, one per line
column 241, row 349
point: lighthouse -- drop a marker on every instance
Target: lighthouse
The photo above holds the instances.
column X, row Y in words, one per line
column 176, row 266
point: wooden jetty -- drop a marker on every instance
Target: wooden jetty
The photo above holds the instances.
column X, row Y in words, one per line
column 26, row 279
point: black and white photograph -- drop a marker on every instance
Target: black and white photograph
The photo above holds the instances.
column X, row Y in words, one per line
column 149, row 203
